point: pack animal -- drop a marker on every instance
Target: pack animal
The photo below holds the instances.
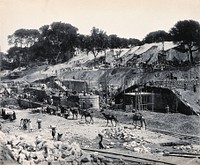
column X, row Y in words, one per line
column 74, row 112
column 86, row 114
column 138, row 117
column 111, row 118
column 62, row 110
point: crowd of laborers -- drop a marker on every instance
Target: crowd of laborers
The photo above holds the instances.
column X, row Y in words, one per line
column 26, row 124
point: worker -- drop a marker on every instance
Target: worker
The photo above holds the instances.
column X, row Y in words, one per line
column 39, row 121
column 101, row 141
column 53, row 131
column 167, row 109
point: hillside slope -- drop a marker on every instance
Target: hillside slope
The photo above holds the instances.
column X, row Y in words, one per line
column 79, row 68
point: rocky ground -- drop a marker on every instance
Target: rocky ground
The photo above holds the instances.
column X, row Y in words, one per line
column 29, row 147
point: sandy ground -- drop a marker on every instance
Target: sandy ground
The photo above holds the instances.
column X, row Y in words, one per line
column 86, row 135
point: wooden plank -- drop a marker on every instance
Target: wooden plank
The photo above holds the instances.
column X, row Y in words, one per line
column 127, row 156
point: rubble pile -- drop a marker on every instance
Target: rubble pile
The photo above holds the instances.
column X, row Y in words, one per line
column 189, row 148
column 46, row 151
column 129, row 137
column 137, row 147
column 6, row 155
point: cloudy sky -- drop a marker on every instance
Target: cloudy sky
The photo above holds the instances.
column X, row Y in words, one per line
column 126, row 18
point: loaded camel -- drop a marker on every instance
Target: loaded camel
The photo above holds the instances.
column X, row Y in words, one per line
column 138, row 117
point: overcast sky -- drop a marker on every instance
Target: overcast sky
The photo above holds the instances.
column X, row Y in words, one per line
column 126, row 18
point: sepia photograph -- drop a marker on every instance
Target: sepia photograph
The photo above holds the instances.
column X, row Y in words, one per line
column 99, row 82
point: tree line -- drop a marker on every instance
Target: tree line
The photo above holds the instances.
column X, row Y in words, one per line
column 58, row 42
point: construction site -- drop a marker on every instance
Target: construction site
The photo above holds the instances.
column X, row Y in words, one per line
column 82, row 111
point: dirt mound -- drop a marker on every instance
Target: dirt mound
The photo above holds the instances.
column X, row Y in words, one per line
column 188, row 128
column 159, row 124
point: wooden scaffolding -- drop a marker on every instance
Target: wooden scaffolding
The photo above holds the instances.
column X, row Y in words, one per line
column 141, row 99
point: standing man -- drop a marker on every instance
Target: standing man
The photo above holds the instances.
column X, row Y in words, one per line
column 39, row 121
column 101, row 141
column 53, row 131
column 194, row 88
column 14, row 115
column 167, row 109
column 30, row 127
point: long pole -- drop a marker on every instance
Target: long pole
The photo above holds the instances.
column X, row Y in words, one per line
column 124, row 83
column 106, row 89
column 152, row 100
column 106, row 82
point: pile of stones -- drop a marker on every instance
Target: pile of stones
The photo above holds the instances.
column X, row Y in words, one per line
column 46, row 151
column 128, row 137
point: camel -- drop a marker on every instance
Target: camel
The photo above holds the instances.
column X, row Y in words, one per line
column 86, row 114
column 138, row 117
column 110, row 117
